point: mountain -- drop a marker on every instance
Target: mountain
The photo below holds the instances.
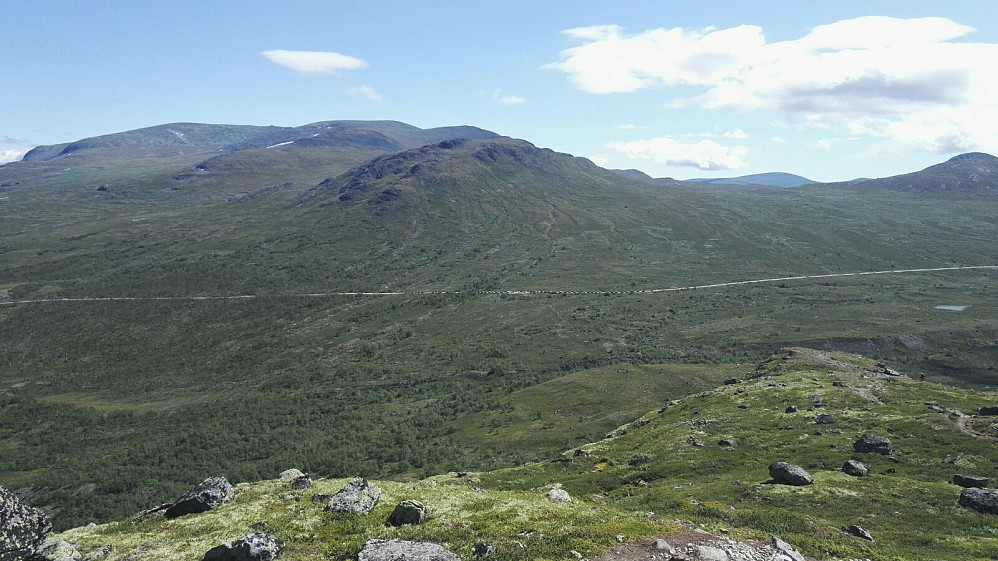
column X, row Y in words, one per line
column 973, row 174
column 370, row 307
column 772, row 179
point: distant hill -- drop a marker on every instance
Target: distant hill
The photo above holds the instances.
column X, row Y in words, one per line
column 772, row 179
column 973, row 174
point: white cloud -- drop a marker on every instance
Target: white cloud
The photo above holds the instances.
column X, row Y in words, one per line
column 907, row 74
column 512, row 100
column 314, row 62
column 7, row 156
column 365, row 92
column 737, row 134
column 705, row 154
column 600, row 160
column 630, row 127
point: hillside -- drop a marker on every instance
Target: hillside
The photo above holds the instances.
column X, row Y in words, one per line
column 771, row 179
column 434, row 308
column 971, row 175
column 694, row 471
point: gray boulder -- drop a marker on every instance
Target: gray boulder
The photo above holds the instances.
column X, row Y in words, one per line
column 981, row 500
column 358, row 496
column 970, row 480
column 99, row 553
column 23, row 527
column 302, row 482
column 789, row 474
column 559, row 495
column 825, row 419
column 855, row 468
column 379, row 549
column 786, row 550
column 252, row 547
column 858, row 531
column 291, row 474
column 711, row 553
column 57, row 551
column 408, row 512
column 872, row 444
column 207, row 495
column 483, row 549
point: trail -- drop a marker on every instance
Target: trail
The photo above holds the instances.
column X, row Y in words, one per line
column 506, row 292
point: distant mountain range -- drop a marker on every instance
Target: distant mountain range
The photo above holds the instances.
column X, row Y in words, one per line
column 771, row 179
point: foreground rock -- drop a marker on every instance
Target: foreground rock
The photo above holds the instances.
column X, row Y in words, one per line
column 558, row 495
column 22, row 527
column 790, row 474
column 872, row 444
column 401, row 550
column 252, row 547
column 358, row 496
column 970, row 480
column 408, row 512
column 981, row 500
column 57, row 551
column 855, row 469
column 207, row 495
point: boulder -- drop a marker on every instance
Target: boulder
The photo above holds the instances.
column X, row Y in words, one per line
column 358, row 496
column 57, row 551
column 789, row 474
column 252, row 547
column 872, row 444
column 970, row 480
column 855, row 468
column 662, row 545
column 379, row 549
column 302, row 482
column 988, row 410
column 825, row 419
column 207, row 495
column 23, row 527
column 791, row 409
column 559, row 495
column 291, row 474
column 711, row 553
column 483, row 549
column 858, row 531
column 981, row 500
column 786, row 550
column 408, row 512
column 99, row 553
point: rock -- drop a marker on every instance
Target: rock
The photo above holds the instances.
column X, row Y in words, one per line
column 57, row 551
column 302, row 482
column 981, row 500
column 558, row 495
column 408, row 512
column 855, row 468
column 252, row 547
column 576, row 554
column 858, row 531
column 786, row 550
column 825, row 419
column 988, row 410
column 710, row 553
column 730, row 381
column 838, row 384
column 789, row 474
column 580, row 453
column 661, row 545
column 379, row 549
column 23, row 527
column 727, row 442
column 970, row 480
column 99, row 553
column 483, row 549
column 207, row 495
column 872, row 444
column 291, row 474
column 357, row 496
column 791, row 409
column 321, row 498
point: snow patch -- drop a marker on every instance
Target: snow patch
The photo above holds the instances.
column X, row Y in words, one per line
column 280, row 144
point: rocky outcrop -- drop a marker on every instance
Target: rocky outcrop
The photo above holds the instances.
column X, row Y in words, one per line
column 408, row 512
column 403, row 550
column 790, row 474
column 872, row 444
column 968, row 481
column 253, row 547
column 207, row 495
column 358, row 496
column 981, row 500
column 22, row 528
column 855, row 468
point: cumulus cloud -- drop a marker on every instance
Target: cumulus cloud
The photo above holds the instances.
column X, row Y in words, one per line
column 512, row 100
column 737, row 134
column 705, row 154
column 902, row 79
column 316, row 63
column 7, row 156
column 365, row 92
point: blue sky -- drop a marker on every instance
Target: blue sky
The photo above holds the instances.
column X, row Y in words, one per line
column 828, row 90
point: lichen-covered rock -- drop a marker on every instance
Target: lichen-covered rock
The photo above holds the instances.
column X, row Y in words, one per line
column 402, row 550
column 790, row 474
column 559, row 495
column 872, row 444
column 207, row 495
column 855, row 468
column 968, row 481
column 358, row 496
column 291, row 474
column 408, row 512
column 57, row 551
column 22, row 528
column 303, row 482
column 981, row 500
column 252, row 547
column 99, row 553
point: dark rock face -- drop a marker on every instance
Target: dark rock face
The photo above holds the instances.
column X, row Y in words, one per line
column 970, row 481
column 22, row 528
column 855, row 469
column 789, row 474
column 358, row 496
column 208, row 494
column 981, row 500
column 858, row 532
column 403, row 550
column 408, row 512
column 872, row 444
column 252, row 547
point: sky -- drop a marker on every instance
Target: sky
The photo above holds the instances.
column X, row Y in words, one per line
column 827, row 90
